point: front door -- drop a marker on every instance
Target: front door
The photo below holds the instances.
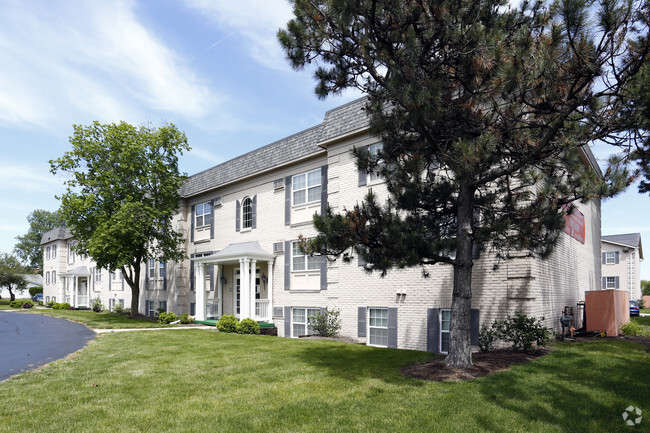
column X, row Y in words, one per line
column 236, row 300
column 82, row 293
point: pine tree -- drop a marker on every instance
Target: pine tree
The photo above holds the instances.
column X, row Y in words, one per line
column 483, row 112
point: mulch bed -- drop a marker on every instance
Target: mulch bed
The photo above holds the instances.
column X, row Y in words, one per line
column 485, row 364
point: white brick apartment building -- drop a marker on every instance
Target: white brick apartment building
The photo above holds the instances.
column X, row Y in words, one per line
column 621, row 263
column 241, row 219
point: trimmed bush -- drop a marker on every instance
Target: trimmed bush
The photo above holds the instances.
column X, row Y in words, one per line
column 186, row 319
column 27, row 304
column 632, row 328
column 34, row 290
column 326, row 322
column 227, row 323
column 487, row 337
column 167, row 318
column 50, row 303
column 97, row 306
column 248, row 326
column 519, row 331
column 61, row 306
column 118, row 308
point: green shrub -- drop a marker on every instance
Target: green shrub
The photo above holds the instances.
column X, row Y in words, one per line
column 159, row 310
column 186, row 318
column 16, row 303
column 50, row 303
column 97, row 306
column 248, row 326
column 326, row 322
column 5, row 301
column 641, row 304
column 167, row 318
column 34, row 290
column 519, row 331
column 26, row 304
column 632, row 328
column 227, row 323
column 126, row 311
column 61, row 306
column 118, row 308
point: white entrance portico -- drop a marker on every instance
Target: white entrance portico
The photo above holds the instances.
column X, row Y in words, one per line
column 73, row 287
column 247, row 256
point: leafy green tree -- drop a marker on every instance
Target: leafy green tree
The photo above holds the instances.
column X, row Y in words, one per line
column 483, row 112
column 11, row 275
column 122, row 192
column 28, row 248
column 645, row 287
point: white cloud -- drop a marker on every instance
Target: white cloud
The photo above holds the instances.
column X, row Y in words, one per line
column 256, row 21
column 27, row 180
column 67, row 59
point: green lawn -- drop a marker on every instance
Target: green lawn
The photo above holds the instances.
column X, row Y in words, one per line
column 644, row 310
column 104, row 320
column 204, row 381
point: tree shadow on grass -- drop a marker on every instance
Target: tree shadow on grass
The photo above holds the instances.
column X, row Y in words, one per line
column 580, row 387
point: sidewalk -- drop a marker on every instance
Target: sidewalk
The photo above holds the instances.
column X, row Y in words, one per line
column 105, row 331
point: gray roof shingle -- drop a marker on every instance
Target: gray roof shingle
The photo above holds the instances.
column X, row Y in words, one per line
column 338, row 121
column 55, row 234
column 630, row 239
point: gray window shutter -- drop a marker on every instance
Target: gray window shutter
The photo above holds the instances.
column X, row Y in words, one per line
column 237, row 215
column 473, row 327
column 323, row 273
column 146, row 308
column 211, row 274
column 433, row 330
column 287, row 265
column 192, row 224
column 287, row 201
column 146, row 276
column 92, row 276
column 616, row 286
column 122, row 279
column 361, row 322
column 363, row 175
column 192, row 308
column 323, row 190
column 616, row 257
column 163, row 274
column 192, row 275
column 254, row 212
column 287, row 322
column 476, row 251
column 603, row 258
column 604, row 283
column 392, row 328
column 212, row 219
column 361, row 259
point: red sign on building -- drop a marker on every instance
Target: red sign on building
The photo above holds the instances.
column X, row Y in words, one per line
column 574, row 223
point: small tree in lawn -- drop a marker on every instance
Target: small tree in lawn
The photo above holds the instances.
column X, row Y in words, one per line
column 29, row 248
column 122, row 192
column 482, row 111
column 11, row 277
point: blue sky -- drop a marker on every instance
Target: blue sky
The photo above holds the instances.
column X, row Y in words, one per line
column 211, row 67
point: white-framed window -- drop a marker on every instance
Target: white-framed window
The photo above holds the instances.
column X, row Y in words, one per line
column 98, row 274
column 54, row 299
column 610, row 282
column 445, row 323
column 47, row 252
column 114, row 275
column 373, row 149
column 152, row 309
column 71, row 255
column 306, row 187
column 53, row 277
column 161, row 269
column 152, row 268
column 203, row 214
column 162, row 305
column 246, row 213
column 47, row 277
column 610, row 257
column 113, row 302
column 47, row 299
column 378, row 327
column 303, row 262
column 54, row 251
column 299, row 323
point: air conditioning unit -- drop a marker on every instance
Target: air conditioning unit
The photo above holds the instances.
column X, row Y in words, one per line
column 277, row 312
column 278, row 247
column 278, row 184
column 217, row 202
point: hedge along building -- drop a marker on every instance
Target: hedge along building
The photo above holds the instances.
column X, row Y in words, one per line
column 242, row 220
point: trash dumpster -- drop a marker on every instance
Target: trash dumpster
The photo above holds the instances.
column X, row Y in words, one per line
column 607, row 310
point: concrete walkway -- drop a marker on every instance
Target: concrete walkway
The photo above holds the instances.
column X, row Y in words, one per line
column 107, row 331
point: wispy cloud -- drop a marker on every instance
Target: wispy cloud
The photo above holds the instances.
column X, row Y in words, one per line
column 91, row 59
column 27, row 180
column 254, row 20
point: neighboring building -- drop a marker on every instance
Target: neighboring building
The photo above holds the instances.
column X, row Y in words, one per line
column 75, row 279
column 621, row 263
column 31, row 280
column 242, row 219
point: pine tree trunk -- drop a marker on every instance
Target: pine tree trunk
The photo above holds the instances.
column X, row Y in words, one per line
column 460, row 349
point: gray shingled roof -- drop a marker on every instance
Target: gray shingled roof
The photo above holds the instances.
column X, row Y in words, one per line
column 338, row 121
column 55, row 234
column 629, row 239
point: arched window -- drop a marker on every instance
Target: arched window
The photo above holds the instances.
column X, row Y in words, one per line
column 247, row 213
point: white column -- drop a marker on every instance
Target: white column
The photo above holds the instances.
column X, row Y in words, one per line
column 199, row 272
column 251, row 288
column 59, row 296
column 220, row 289
column 269, row 288
column 244, row 288
column 74, row 291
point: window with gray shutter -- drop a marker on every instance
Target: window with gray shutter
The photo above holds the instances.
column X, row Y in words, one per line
column 392, row 328
column 361, row 322
column 433, row 330
column 287, row 201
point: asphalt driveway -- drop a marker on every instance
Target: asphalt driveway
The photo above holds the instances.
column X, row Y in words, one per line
column 28, row 341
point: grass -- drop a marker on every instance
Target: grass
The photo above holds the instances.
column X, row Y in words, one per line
column 195, row 380
column 103, row 320
column 644, row 310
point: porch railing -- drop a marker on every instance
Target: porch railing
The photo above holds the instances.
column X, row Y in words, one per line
column 82, row 301
column 262, row 309
column 211, row 309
